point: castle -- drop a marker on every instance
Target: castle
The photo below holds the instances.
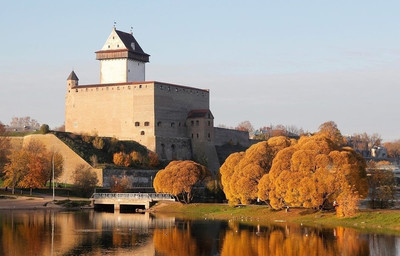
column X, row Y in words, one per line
column 172, row 120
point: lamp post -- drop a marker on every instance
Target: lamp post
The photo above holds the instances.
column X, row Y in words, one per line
column 52, row 163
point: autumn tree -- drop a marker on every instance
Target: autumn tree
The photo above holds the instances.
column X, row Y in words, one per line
column 98, row 142
column 85, row 180
column 363, row 142
column 31, row 166
column 393, row 148
column 245, row 126
column 4, row 146
column 331, row 131
column 24, row 122
column 56, row 160
column 242, row 171
column 179, row 178
column 15, row 169
column 122, row 159
column 120, row 185
column 153, row 159
column 313, row 173
column 382, row 186
column 138, row 159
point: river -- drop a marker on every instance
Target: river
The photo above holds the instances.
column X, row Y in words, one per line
column 99, row 233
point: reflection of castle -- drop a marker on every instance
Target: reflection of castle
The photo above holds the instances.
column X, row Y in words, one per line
column 173, row 120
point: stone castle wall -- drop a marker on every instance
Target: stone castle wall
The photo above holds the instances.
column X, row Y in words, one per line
column 138, row 178
column 124, row 111
column 151, row 113
column 172, row 105
column 234, row 137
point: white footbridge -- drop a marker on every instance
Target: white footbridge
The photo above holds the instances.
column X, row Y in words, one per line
column 141, row 200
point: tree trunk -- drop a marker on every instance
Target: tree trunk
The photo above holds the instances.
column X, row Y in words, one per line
column 30, row 191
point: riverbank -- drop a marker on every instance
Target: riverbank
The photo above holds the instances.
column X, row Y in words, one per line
column 13, row 202
column 381, row 221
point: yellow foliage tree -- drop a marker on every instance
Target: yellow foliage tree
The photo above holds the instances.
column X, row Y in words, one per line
column 179, row 178
column 313, row 173
column 241, row 172
column 15, row 169
column 4, row 146
column 31, row 167
column 122, row 159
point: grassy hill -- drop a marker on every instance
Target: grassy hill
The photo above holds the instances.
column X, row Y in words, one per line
column 102, row 147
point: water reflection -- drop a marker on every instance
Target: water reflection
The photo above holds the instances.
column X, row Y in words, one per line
column 94, row 233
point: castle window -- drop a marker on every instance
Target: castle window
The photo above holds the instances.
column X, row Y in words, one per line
column 179, row 124
column 197, row 135
column 176, row 89
column 140, row 86
column 117, row 45
column 159, row 123
column 192, row 122
column 197, row 122
column 173, row 152
column 163, row 155
column 137, row 123
column 129, row 87
column 146, row 123
column 209, row 123
column 108, row 46
column 76, row 90
column 172, row 124
column 208, row 135
column 142, row 133
column 192, row 135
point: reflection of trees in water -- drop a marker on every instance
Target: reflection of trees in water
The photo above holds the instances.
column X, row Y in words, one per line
column 189, row 237
column 293, row 240
column 24, row 236
column 30, row 233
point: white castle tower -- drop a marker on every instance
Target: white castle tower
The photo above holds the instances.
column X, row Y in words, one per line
column 122, row 60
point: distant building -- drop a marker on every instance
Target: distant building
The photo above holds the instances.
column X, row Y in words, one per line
column 173, row 120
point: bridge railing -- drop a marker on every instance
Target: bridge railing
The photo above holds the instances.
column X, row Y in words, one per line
column 149, row 196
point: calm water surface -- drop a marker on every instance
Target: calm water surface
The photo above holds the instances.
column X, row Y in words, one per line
column 97, row 233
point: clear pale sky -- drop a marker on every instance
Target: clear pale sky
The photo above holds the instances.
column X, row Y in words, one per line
column 270, row 62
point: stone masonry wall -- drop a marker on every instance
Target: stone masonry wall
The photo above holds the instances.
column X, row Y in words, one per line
column 234, row 137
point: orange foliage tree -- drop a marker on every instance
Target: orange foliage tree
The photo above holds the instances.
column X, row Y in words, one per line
column 313, row 173
column 242, row 171
column 4, row 146
column 122, row 159
column 153, row 159
column 15, row 169
column 31, row 166
column 179, row 178
column 120, row 185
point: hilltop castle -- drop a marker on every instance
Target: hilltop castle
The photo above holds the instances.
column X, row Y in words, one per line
column 172, row 120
